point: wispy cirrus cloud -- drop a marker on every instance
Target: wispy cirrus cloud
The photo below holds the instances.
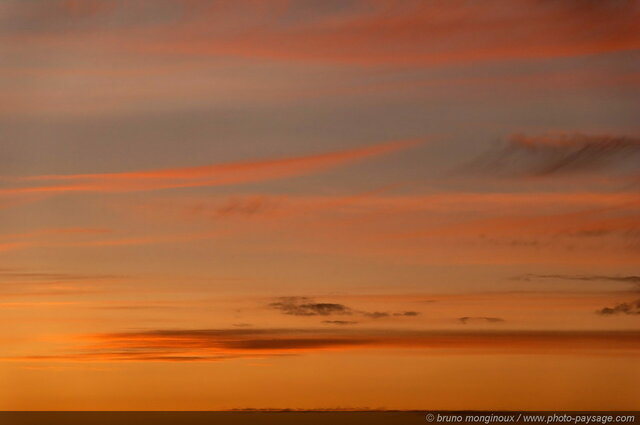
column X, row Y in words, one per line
column 340, row 322
column 620, row 219
column 628, row 308
column 625, row 308
column 622, row 308
column 86, row 238
column 245, row 206
column 581, row 277
column 55, row 231
column 160, row 49
column 48, row 236
column 561, row 154
column 483, row 319
column 48, row 277
column 375, row 314
column 383, row 201
column 22, row 282
column 208, row 175
column 305, row 306
column 362, row 32
column 406, row 314
column 184, row 345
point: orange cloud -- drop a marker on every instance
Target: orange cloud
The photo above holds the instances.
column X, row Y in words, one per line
column 275, row 206
column 223, row 344
column 208, row 175
column 438, row 227
column 75, row 237
column 590, row 223
column 431, row 32
column 19, row 283
column 46, row 237
column 362, row 32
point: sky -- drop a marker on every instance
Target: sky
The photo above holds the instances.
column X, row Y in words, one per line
column 372, row 204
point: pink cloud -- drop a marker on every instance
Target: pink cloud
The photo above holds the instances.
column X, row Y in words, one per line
column 208, row 175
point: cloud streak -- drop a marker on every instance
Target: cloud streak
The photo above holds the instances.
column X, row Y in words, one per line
column 405, row 33
column 43, row 277
column 630, row 308
column 305, row 306
column 561, row 154
column 586, row 278
column 302, row 306
column 364, row 32
column 208, row 175
column 465, row 320
column 182, row 345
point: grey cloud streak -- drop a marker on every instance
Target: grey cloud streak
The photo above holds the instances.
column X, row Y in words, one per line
column 628, row 308
column 562, row 154
column 305, row 306
column 187, row 345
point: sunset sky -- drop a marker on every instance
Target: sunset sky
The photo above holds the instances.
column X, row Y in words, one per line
column 211, row 205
